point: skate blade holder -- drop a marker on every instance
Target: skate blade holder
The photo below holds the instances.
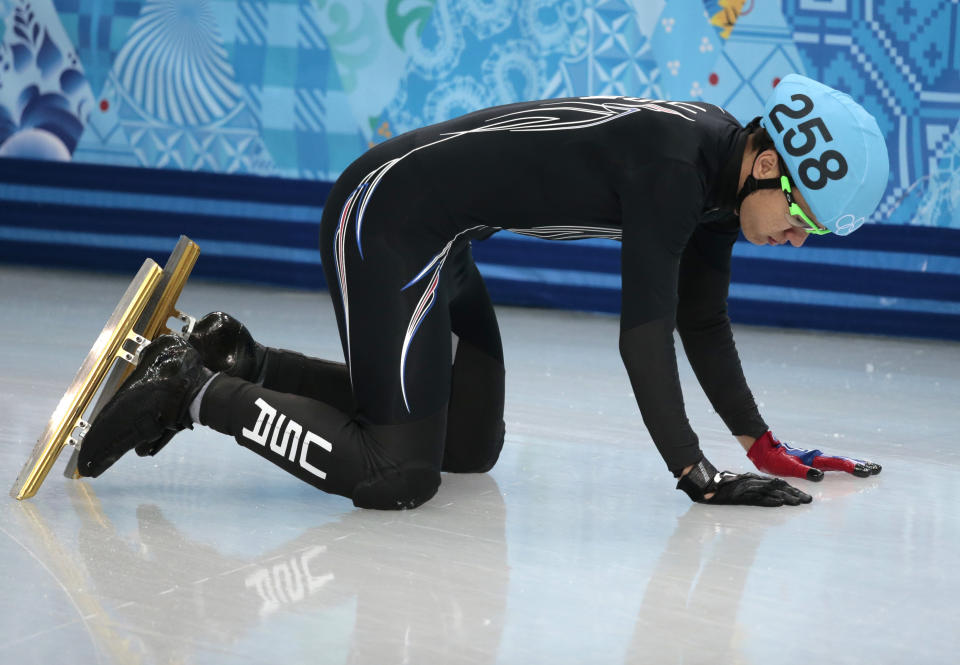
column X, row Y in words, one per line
column 143, row 313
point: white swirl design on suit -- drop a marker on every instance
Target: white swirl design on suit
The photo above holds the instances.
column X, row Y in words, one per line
column 425, row 304
column 570, row 232
column 547, row 117
column 173, row 68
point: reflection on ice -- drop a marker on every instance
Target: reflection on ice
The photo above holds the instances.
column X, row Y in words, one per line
column 173, row 593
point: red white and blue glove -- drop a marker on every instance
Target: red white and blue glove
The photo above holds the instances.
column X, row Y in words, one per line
column 771, row 456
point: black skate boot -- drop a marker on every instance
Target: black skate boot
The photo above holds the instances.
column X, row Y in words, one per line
column 149, row 408
column 226, row 346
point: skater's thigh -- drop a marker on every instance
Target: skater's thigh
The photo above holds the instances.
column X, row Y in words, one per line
column 475, row 427
column 393, row 317
column 398, row 348
column 472, row 317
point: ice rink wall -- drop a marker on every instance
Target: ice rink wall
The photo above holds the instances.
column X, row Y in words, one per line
column 124, row 123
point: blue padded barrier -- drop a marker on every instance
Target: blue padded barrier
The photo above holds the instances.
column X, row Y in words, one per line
column 885, row 279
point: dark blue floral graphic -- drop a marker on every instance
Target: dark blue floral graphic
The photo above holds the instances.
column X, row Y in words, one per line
column 49, row 112
column 44, row 118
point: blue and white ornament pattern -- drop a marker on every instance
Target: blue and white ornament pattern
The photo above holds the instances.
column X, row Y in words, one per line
column 44, row 96
column 487, row 18
column 310, row 83
column 174, row 67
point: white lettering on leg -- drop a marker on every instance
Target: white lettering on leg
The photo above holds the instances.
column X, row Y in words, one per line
column 280, row 436
column 308, row 440
column 261, row 430
column 291, row 436
column 276, row 433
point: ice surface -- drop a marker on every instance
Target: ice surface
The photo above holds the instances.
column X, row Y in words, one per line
column 574, row 549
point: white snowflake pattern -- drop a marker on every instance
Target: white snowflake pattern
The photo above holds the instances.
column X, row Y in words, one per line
column 668, row 24
column 696, row 90
column 705, row 45
column 673, row 66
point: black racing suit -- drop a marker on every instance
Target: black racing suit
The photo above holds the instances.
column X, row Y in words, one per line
column 395, row 246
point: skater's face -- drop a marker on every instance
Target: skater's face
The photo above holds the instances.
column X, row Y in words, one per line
column 765, row 217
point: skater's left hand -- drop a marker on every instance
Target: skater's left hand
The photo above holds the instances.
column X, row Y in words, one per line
column 770, row 455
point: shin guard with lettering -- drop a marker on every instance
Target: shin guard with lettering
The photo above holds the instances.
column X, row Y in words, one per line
column 296, row 433
column 394, row 466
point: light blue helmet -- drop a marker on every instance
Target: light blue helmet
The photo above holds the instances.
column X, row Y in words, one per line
column 833, row 150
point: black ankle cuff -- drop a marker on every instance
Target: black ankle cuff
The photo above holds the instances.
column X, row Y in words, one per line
column 260, row 353
column 700, row 481
column 216, row 409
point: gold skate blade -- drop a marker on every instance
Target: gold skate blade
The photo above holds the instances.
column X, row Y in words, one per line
column 69, row 412
column 152, row 322
column 175, row 274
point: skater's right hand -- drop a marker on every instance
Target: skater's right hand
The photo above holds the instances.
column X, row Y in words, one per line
column 750, row 489
column 704, row 484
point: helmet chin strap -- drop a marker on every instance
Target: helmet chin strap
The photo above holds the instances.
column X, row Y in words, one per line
column 751, row 184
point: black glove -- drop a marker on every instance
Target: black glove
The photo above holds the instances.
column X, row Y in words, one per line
column 747, row 489
column 226, row 346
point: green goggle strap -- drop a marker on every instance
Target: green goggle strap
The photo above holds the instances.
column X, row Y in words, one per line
column 797, row 211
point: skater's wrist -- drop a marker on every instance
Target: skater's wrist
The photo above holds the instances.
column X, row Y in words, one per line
column 745, row 440
column 686, row 470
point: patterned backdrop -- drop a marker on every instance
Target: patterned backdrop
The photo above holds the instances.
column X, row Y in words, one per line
column 244, row 111
column 299, row 88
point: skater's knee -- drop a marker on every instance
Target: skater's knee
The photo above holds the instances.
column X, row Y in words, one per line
column 474, row 454
column 475, row 426
column 397, row 488
column 404, row 464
